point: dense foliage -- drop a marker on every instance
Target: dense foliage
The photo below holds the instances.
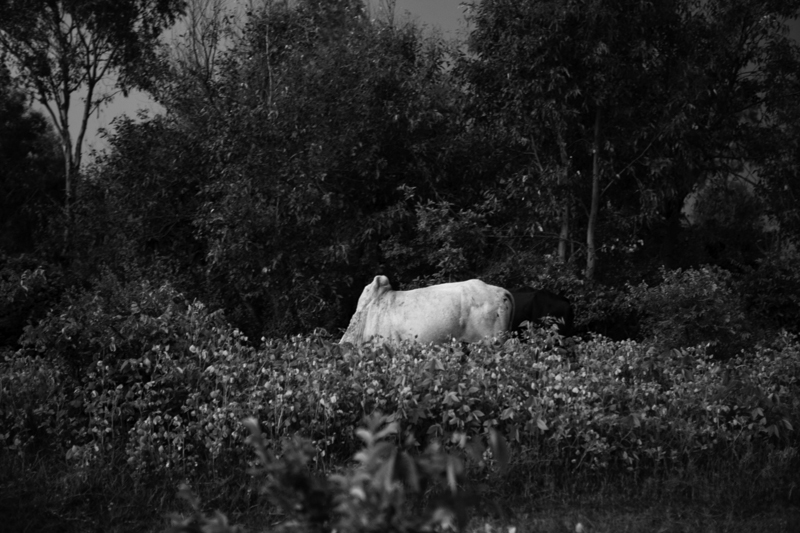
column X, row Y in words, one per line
column 29, row 170
column 160, row 387
column 170, row 382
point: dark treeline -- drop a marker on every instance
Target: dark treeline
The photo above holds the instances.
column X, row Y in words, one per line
column 579, row 145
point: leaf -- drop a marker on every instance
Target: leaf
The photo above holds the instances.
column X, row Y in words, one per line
column 450, row 398
column 632, row 420
column 390, row 429
column 384, row 477
column 409, row 474
column 252, row 425
column 185, row 493
column 365, row 435
column 435, row 429
column 500, row 449
column 358, row 493
column 453, row 471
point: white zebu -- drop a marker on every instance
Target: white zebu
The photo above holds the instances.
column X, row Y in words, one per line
column 466, row 311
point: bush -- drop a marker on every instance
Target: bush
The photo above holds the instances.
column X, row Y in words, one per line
column 27, row 288
column 772, row 291
column 454, row 242
column 596, row 409
column 169, row 383
column 37, row 406
column 690, row 307
column 102, row 364
column 372, row 496
column 112, row 321
column 607, row 311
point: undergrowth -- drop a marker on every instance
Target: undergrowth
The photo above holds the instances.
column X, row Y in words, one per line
column 114, row 400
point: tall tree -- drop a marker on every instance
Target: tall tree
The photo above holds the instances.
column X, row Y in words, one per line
column 59, row 47
column 30, row 168
column 647, row 99
column 555, row 72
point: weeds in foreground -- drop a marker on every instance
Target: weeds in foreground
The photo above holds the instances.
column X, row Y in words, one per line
column 384, row 491
column 44, row 495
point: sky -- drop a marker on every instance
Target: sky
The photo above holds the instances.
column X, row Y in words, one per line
column 446, row 15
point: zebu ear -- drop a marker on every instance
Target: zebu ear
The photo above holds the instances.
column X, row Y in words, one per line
column 382, row 284
column 373, row 291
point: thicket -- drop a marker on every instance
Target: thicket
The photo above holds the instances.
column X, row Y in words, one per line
column 136, row 379
column 614, row 405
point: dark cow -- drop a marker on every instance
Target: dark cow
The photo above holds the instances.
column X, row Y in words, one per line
column 534, row 304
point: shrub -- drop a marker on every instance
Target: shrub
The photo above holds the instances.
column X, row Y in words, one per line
column 372, row 496
column 454, row 242
column 169, row 384
column 772, row 291
column 117, row 357
column 607, row 311
column 112, row 321
column 609, row 407
column 551, row 273
column 620, row 408
column 690, row 307
column 27, row 288
column 37, row 406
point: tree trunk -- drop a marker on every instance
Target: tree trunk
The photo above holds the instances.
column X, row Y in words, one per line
column 591, row 250
column 563, row 179
column 70, row 164
column 563, row 237
column 69, row 189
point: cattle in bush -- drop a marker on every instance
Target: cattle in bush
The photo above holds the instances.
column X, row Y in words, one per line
column 466, row 311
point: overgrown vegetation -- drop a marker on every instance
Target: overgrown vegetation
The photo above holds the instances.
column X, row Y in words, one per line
column 158, row 391
column 637, row 157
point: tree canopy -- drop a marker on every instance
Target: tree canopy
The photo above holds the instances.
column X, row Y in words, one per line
column 30, row 170
column 636, row 104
